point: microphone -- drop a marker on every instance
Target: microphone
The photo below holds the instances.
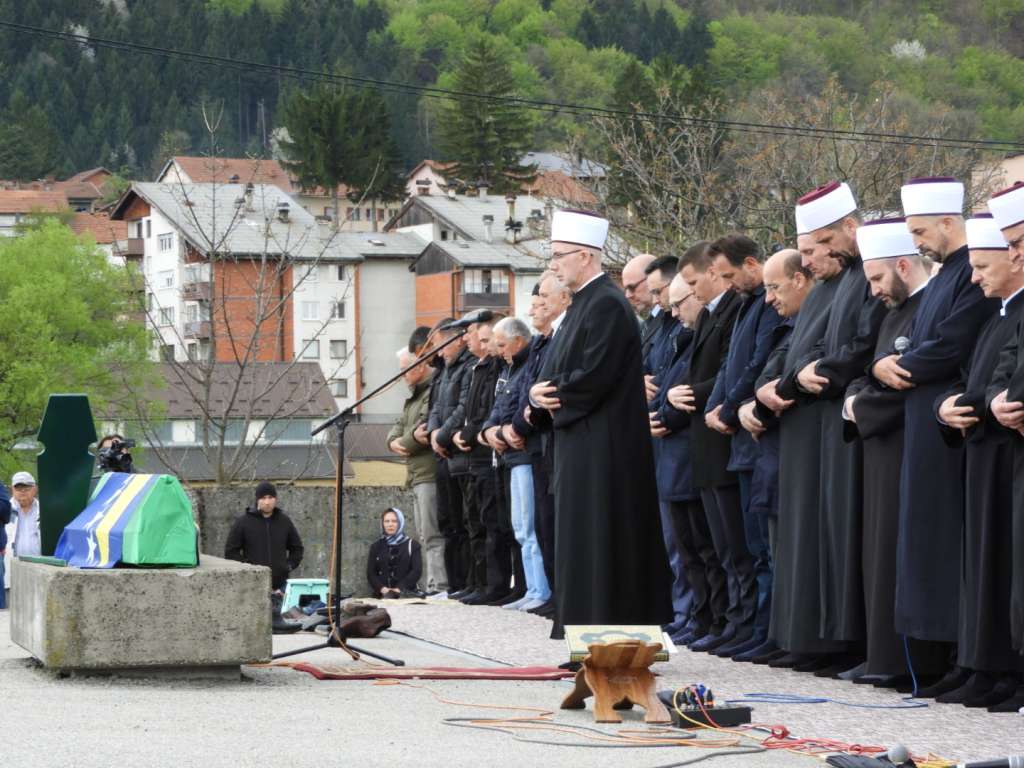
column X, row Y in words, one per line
column 902, row 344
column 480, row 316
column 1013, row 761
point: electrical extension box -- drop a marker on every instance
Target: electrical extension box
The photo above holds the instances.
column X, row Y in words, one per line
column 727, row 716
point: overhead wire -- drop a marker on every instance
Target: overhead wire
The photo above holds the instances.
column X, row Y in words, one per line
column 250, row 67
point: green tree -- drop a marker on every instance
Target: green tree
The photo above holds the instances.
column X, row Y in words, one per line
column 375, row 173
column 64, row 329
column 486, row 138
column 29, row 145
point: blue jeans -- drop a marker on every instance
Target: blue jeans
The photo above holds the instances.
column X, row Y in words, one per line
column 526, row 534
column 3, row 591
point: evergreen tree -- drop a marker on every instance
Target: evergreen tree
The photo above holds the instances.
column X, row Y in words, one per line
column 696, row 39
column 375, row 173
column 29, row 145
column 485, row 138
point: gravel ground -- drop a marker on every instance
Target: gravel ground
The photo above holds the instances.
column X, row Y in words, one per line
column 278, row 716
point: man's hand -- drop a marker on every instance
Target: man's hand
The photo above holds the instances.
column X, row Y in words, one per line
column 513, row 438
column 682, row 398
column 768, row 395
column 395, row 446
column 542, row 393
column 657, row 429
column 493, row 436
column 848, row 409
column 420, row 434
column 461, row 444
column 650, row 388
column 888, row 371
column 1009, row 413
column 436, row 446
column 749, row 421
column 957, row 416
column 714, row 421
column 809, row 379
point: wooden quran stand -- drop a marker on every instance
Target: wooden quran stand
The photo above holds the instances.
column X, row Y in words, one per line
column 618, row 676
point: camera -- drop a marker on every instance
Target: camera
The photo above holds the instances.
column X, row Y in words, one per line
column 115, row 457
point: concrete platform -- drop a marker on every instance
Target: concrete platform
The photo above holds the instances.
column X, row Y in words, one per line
column 169, row 622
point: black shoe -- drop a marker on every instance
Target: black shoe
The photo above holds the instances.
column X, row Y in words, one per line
column 492, row 598
column 546, row 610
column 473, row 598
column 788, row 661
column 764, row 653
column 744, row 652
column 512, row 597
column 952, row 680
column 813, row 663
column 737, row 644
column 459, row 594
column 712, row 642
column 840, row 664
column 977, row 684
column 1012, row 704
column 1004, row 689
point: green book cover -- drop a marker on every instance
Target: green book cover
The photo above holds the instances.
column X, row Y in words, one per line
column 579, row 637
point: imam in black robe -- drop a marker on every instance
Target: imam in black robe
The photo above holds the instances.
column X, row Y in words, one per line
column 846, row 350
column 945, row 329
column 984, row 641
column 878, row 412
column 610, row 560
column 796, row 599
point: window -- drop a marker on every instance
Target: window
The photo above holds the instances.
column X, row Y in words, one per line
column 138, row 229
column 197, row 273
column 165, row 241
column 380, row 214
column 149, row 228
column 328, row 212
column 352, row 214
column 167, row 353
column 232, row 430
column 484, row 281
column 166, row 315
column 287, row 430
column 163, row 433
column 191, row 314
column 310, row 349
column 165, row 279
column 311, row 310
column 444, row 234
column 192, row 350
column 341, row 271
column 339, row 388
column 339, row 349
column 312, row 274
column 337, row 310
column 149, row 302
column 369, row 214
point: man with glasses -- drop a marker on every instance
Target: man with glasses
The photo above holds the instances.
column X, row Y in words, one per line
column 634, row 285
column 609, row 561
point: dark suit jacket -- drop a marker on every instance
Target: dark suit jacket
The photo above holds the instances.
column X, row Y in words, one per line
column 710, row 449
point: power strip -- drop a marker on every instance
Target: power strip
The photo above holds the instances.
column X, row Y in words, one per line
column 728, row 716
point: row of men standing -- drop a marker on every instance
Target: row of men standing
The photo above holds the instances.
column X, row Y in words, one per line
column 835, row 442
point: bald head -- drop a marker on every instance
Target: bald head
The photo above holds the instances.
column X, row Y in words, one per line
column 634, row 283
column 682, row 303
column 786, row 281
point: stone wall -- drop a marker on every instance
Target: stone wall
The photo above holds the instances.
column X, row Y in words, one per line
column 311, row 508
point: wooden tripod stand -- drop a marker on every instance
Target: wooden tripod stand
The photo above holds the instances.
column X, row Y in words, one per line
column 618, row 676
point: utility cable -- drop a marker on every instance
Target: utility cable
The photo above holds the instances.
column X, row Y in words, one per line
column 837, row 134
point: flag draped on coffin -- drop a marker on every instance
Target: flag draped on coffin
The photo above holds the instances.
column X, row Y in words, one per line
column 132, row 520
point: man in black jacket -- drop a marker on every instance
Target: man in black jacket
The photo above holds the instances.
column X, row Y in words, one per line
column 265, row 535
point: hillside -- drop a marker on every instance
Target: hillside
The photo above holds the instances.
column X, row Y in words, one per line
column 65, row 106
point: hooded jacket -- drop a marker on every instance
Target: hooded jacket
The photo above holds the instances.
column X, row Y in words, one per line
column 270, row 541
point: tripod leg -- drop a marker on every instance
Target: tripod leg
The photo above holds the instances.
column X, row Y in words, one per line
column 318, row 647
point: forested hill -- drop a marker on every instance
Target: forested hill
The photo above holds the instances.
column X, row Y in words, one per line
column 66, row 107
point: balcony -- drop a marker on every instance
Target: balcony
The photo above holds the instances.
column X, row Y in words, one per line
column 195, row 291
column 478, row 300
column 197, row 329
column 136, row 247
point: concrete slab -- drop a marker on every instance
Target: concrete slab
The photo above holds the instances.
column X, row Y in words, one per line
column 167, row 621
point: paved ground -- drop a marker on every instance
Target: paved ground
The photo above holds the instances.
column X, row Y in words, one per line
column 282, row 717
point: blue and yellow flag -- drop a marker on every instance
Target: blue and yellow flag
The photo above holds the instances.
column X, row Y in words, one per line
column 132, row 520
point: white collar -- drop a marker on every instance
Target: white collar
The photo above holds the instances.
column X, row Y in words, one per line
column 557, row 323
column 599, row 274
column 1008, row 299
column 655, row 310
column 921, row 287
column 711, row 305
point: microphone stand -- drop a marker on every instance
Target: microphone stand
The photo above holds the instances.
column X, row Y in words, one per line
column 340, row 421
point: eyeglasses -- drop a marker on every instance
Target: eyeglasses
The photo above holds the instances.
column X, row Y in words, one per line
column 631, row 287
column 678, row 304
column 1016, row 242
column 563, row 254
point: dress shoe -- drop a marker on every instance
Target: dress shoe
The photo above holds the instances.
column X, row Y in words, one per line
column 459, row 594
column 474, row 595
column 713, row 642
column 813, row 662
column 482, row 598
column 952, row 680
column 764, row 653
column 1004, row 689
column 1012, row 704
column 853, row 674
column 540, row 610
column 977, row 684
column 675, row 627
column 876, row 680
column 511, row 597
column 690, row 636
column 752, row 644
column 738, row 643
column 922, row 682
column 516, row 605
column 529, row 605
column 494, row 598
column 840, row 664
column 788, row 661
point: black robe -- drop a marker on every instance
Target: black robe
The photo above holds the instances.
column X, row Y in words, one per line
column 878, row 412
column 945, row 328
column 985, row 578
column 610, row 560
column 846, row 351
column 796, row 599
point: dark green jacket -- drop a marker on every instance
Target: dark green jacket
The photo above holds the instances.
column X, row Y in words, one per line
column 420, row 465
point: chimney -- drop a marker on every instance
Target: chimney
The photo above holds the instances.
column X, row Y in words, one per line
column 282, row 211
column 249, row 189
column 488, row 224
column 422, row 186
column 451, row 193
column 482, row 187
column 510, row 198
column 511, row 225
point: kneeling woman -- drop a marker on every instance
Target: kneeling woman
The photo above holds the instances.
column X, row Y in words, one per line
column 394, row 566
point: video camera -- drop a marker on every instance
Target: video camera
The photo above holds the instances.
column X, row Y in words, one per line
column 115, row 457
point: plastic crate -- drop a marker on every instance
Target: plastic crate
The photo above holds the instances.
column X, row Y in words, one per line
column 297, row 588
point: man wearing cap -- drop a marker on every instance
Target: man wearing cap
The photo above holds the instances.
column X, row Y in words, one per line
column 25, row 513
column 984, row 644
column 265, row 535
column 610, row 562
column 946, row 326
column 874, row 413
column 1006, row 395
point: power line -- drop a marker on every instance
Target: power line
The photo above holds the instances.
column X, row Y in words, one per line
column 251, row 67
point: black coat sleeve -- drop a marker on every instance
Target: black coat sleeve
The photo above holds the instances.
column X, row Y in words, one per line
column 849, row 361
column 295, row 548
column 411, row 579
column 234, row 548
column 373, row 574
